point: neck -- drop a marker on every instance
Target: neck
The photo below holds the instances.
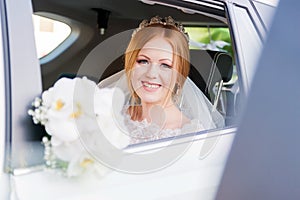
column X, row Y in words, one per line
column 157, row 113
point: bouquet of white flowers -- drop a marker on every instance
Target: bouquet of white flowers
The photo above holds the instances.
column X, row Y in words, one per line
column 57, row 110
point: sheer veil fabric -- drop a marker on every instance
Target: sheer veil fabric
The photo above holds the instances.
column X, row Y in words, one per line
column 192, row 102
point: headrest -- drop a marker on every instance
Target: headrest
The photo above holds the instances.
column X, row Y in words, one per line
column 206, row 60
column 209, row 67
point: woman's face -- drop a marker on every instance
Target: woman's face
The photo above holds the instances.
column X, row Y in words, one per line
column 154, row 76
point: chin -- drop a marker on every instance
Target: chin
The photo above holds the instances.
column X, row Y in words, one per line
column 150, row 100
column 154, row 98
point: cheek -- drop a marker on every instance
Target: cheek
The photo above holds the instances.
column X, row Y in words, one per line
column 169, row 78
column 136, row 75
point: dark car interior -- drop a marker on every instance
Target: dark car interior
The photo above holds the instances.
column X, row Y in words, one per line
column 101, row 30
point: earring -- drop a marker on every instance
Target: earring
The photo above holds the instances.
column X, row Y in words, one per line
column 177, row 94
column 135, row 101
column 178, row 88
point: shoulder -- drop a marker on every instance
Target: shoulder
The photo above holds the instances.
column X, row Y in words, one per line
column 194, row 125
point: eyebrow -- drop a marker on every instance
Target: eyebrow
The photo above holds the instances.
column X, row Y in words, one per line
column 166, row 59
column 144, row 56
column 159, row 59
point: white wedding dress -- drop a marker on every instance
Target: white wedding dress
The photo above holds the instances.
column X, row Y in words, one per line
column 143, row 131
column 193, row 104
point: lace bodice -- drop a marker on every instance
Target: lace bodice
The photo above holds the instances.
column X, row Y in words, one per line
column 143, row 131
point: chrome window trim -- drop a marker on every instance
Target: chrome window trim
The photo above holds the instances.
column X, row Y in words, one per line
column 211, row 4
column 5, row 92
column 176, row 4
column 5, row 177
column 2, row 99
column 191, row 137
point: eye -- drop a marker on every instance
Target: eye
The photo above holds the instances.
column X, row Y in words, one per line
column 142, row 61
column 164, row 65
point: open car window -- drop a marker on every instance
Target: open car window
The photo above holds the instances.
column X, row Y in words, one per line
column 95, row 49
column 212, row 58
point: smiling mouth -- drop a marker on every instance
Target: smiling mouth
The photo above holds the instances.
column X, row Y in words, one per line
column 150, row 85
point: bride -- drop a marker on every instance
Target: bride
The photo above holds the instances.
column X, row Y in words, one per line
column 161, row 100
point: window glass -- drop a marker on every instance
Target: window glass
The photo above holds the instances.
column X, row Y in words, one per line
column 212, row 45
column 217, row 38
column 49, row 34
column 217, row 41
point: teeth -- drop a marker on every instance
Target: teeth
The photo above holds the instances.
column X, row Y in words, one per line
column 150, row 85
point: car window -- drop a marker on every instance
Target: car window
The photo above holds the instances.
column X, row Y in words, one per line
column 212, row 64
column 212, row 61
column 49, row 33
column 215, row 38
column 93, row 55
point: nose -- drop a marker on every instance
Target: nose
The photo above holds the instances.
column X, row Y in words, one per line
column 153, row 71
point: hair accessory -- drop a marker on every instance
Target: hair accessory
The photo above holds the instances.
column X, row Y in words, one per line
column 167, row 21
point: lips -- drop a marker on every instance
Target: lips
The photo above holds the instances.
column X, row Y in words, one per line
column 150, row 86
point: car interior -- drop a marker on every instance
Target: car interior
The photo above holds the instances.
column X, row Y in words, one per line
column 101, row 30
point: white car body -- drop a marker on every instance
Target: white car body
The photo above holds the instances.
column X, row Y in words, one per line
column 196, row 175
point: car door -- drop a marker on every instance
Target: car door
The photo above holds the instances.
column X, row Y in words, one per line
column 19, row 78
column 188, row 167
column 253, row 17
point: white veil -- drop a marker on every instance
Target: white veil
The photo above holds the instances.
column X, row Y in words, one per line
column 193, row 103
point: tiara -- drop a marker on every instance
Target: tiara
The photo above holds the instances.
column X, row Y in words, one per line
column 167, row 21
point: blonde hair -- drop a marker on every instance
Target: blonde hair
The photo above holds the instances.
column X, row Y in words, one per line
column 181, row 57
